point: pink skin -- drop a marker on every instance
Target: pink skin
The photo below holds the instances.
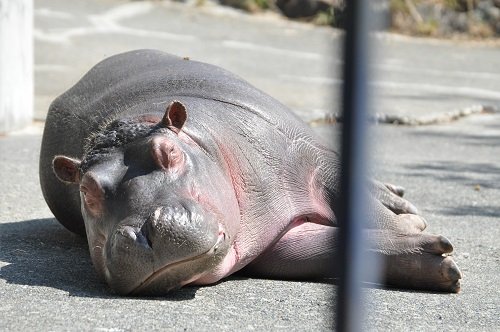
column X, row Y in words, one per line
column 411, row 258
column 299, row 239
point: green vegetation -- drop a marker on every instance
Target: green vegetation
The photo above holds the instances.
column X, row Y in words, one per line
column 248, row 5
column 429, row 28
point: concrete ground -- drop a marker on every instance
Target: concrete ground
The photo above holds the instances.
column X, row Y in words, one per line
column 451, row 170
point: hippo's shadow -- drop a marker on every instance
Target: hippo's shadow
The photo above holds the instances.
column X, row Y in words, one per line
column 41, row 252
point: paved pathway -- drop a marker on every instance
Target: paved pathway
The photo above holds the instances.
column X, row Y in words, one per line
column 451, row 170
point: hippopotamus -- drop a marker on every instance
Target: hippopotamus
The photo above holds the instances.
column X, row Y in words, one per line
column 181, row 173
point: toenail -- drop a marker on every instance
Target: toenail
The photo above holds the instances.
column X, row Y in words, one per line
column 445, row 244
column 452, row 272
column 410, row 208
column 456, row 287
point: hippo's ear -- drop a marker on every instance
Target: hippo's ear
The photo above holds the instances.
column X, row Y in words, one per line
column 66, row 169
column 175, row 115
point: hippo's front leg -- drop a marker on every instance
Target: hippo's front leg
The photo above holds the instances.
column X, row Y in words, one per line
column 415, row 260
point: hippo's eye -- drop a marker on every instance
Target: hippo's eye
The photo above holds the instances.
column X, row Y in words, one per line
column 93, row 198
column 166, row 154
column 175, row 156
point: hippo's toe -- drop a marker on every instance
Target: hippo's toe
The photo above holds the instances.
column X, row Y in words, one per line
column 391, row 196
column 410, row 223
column 398, row 190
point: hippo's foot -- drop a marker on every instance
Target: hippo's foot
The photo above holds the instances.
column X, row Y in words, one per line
column 390, row 211
column 412, row 260
column 417, row 261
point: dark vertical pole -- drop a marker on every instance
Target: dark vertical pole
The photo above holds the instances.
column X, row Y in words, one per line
column 352, row 214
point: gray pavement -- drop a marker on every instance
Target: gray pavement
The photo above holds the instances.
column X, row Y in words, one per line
column 451, row 171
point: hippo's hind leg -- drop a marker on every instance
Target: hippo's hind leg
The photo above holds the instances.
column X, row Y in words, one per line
column 415, row 261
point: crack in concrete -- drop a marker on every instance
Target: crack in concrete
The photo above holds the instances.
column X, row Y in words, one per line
column 405, row 120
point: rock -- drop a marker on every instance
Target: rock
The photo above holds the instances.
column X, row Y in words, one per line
column 302, row 8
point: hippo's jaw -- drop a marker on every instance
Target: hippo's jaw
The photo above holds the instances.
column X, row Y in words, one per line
column 161, row 280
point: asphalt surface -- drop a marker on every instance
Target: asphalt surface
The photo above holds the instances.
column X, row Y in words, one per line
column 451, row 171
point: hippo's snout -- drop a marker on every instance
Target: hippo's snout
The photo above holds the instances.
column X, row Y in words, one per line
column 179, row 231
column 171, row 236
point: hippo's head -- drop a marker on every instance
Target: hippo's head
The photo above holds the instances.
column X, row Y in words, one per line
column 160, row 211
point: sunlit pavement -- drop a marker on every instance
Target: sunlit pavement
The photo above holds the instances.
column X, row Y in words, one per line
column 451, row 170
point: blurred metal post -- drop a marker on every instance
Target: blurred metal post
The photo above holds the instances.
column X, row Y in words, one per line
column 352, row 212
column 16, row 64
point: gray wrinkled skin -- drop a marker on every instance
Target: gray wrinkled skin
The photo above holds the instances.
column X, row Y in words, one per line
column 179, row 172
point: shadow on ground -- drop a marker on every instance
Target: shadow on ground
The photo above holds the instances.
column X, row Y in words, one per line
column 485, row 138
column 41, row 252
column 472, row 178
column 474, row 182
column 485, row 175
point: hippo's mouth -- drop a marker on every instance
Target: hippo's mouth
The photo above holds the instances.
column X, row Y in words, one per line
column 167, row 269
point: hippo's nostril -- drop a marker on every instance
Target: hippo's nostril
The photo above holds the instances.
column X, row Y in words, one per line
column 138, row 236
column 143, row 239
